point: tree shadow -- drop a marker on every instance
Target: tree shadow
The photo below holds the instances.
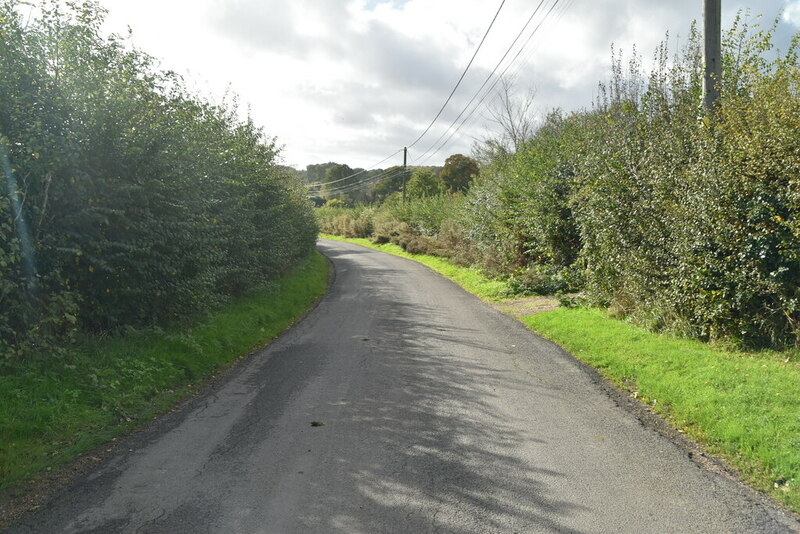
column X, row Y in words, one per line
column 448, row 457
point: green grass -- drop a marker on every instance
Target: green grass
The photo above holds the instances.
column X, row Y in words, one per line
column 54, row 410
column 470, row 278
column 744, row 406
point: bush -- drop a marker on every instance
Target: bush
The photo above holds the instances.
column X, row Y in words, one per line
column 687, row 223
column 347, row 222
column 519, row 210
column 125, row 200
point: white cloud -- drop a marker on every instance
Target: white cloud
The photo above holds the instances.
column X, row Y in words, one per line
column 791, row 13
column 353, row 81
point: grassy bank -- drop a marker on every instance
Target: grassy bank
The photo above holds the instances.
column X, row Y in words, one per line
column 470, row 278
column 744, row 407
column 54, row 410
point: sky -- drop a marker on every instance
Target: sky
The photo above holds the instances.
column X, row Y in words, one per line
column 354, row 81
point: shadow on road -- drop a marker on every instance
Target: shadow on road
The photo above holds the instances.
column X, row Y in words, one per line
column 435, row 447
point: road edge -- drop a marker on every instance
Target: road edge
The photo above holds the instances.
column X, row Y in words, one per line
column 51, row 485
column 695, row 451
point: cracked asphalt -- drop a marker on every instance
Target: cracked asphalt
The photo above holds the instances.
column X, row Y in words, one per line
column 403, row 404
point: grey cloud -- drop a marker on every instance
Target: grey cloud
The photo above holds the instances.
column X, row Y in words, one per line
column 261, row 25
column 273, row 24
column 401, row 61
column 397, row 75
column 380, row 53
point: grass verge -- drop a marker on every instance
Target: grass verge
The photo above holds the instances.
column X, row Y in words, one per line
column 470, row 278
column 52, row 411
column 743, row 407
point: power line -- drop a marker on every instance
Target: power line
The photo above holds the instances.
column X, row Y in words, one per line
column 395, row 171
column 387, row 174
column 363, row 182
column 461, row 78
column 362, row 171
column 423, row 158
column 561, row 12
column 491, row 87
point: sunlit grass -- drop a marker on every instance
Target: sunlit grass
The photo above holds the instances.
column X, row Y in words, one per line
column 470, row 278
column 744, row 406
column 56, row 409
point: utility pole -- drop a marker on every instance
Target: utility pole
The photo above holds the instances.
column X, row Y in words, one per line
column 405, row 155
column 712, row 15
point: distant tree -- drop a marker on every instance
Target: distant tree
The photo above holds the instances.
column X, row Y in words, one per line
column 423, row 183
column 458, row 172
column 290, row 172
column 335, row 178
column 391, row 182
column 316, row 173
column 337, row 172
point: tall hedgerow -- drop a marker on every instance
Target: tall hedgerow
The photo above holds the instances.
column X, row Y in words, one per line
column 667, row 213
column 742, row 259
column 688, row 218
column 519, row 210
column 138, row 202
column 640, row 139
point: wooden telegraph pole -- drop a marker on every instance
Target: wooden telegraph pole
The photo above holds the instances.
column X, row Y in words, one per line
column 405, row 155
column 712, row 14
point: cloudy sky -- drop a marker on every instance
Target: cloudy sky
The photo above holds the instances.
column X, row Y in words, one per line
column 353, row 81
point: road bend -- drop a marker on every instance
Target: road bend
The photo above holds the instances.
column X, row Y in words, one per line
column 403, row 404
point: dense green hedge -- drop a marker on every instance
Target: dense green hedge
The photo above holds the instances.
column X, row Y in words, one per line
column 679, row 218
column 126, row 200
column 673, row 216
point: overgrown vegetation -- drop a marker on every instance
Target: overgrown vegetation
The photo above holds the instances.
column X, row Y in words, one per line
column 671, row 216
column 125, row 200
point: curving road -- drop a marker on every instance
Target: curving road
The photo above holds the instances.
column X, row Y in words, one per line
column 403, row 404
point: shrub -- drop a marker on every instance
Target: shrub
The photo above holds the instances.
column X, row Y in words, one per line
column 137, row 202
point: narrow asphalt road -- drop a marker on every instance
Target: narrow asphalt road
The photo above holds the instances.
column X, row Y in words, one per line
column 403, row 404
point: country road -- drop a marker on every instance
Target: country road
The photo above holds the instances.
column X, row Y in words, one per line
column 403, row 404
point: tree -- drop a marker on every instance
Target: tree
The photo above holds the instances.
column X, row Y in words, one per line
column 335, row 178
column 513, row 114
column 391, row 182
column 423, row 183
column 337, row 172
column 142, row 202
column 458, row 172
column 516, row 120
column 316, row 173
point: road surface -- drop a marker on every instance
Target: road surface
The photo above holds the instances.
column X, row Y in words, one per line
column 403, row 404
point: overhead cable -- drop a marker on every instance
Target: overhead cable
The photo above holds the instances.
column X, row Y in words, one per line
column 422, row 158
column 385, row 175
column 362, row 171
column 461, row 78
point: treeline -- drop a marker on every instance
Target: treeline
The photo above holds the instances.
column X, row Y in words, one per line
column 347, row 186
column 675, row 217
column 125, row 199
column 336, row 184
